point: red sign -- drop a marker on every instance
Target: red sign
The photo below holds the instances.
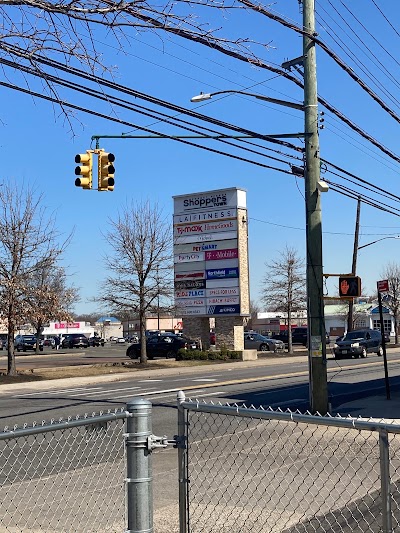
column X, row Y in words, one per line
column 64, row 325
column 383, row 285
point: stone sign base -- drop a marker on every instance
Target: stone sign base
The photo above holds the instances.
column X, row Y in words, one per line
column 249, row 355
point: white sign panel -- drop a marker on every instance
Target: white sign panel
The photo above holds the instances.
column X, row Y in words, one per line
column 228, row 263
column 210, row 200
column 206, row 246
column 221, row 214
column 229, row 282
column 189, row 257
column 190, row 302
column 190, row 267
column 200, row 238
column 190, row 311
column 222, row 291
column 202, row 228
column 224, row 300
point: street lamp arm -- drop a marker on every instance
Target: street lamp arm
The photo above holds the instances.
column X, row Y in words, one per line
column 373, row 242
column 206, row 96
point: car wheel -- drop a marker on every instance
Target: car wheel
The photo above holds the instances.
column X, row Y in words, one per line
column 264, row 348
column 338, row 356
column 380, row 351
column 364, row 352
column 356, row 356
column 170, row 354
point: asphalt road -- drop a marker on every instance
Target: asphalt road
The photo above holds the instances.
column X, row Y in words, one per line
column 278, row 382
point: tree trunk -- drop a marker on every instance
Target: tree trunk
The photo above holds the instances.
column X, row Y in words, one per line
column 11, row 366
column 396, row 333
column 142, row 322
column 289, row 321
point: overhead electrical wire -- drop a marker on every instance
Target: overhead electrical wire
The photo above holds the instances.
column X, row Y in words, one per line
column 327, row 50
column 161, row 116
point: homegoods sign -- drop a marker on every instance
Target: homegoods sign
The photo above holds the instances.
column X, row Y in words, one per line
column 206, row 241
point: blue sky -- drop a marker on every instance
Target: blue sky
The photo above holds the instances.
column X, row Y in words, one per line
column 39, row 147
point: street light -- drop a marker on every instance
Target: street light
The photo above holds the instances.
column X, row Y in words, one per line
column 382, row 239
column 206, row 96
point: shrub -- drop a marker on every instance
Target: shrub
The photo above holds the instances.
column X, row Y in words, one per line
column 199, row 355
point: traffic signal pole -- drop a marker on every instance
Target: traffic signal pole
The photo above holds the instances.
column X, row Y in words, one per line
column 315, row 304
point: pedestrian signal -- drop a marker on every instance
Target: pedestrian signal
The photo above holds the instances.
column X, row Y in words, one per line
column 106, row 171
column 349, row 286
column 84, row 170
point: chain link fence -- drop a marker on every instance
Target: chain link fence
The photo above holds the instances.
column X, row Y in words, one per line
column 64, row 476
column 251, row 470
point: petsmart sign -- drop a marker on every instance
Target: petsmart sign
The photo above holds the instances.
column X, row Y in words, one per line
column 207, row 252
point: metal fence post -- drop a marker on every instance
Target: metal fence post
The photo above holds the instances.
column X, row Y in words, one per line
column 385, row 481
column 139, row 486
column 182, row 464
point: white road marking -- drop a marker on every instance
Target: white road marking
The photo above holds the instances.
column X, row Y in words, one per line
column 53, row 391
column 205, row 379
column 149, row 380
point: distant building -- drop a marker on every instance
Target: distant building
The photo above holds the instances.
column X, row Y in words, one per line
column 109, row 326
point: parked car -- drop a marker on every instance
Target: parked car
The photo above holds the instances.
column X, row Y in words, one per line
column 162, row 345
column 299, row 336
column 47, row 343
column 358, row 343
column 75, row 340
column 255, row 341
column 96, row 341
column 25, row 342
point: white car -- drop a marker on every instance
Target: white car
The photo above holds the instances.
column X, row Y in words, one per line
column 120, row 340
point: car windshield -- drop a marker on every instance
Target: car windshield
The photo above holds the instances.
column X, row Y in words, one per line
column 29, row 338
column 354, row 335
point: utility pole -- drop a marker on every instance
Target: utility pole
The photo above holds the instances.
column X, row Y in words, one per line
column 354, row 264
column 315, row 299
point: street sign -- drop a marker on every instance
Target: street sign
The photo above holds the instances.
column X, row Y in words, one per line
column 383, row 285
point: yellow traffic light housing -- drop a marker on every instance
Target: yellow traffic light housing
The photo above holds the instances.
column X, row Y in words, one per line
column 84, row 170
column 106, row 171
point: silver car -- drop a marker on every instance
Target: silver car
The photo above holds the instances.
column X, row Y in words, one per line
column 255, row 341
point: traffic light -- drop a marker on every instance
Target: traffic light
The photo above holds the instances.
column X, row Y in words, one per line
column 349, row 287
column 84, row 170
column 106, row 171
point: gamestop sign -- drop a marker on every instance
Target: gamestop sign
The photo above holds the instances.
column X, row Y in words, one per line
column 206, row 252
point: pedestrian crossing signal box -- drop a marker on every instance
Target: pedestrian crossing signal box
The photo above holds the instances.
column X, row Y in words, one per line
column 349, row 286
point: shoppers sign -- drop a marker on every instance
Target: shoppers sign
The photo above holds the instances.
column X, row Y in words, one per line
column 207, row 252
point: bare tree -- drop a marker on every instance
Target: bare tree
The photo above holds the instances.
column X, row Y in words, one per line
column 28, row 245
column 284, row 286
column 392, row 273
column 140, row 265
column 47, row 297
column 254, row 309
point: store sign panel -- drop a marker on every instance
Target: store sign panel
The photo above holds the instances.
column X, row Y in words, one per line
column 225, row 291
column 192, row 311
column 205, row 247
column 219, row 255
column 196, row 274
column 200, row 238
column 221, row 273
column 223, row 309
column 196, row 293
column 228, row 282
column 195, row 266
column 208, row 201
column 220, row 214
column 224, row 300
column 190, row 284
column 202, row 228
column 191, row 302
column 189, row 257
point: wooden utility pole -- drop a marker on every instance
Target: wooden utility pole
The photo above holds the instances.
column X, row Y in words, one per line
column 350, row 316
column 315, row 299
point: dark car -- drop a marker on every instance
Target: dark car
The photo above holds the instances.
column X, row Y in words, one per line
column 358, row 343
column 96, row 341
column 163, row 345
column 299, row 336
column 25, row 342
column 75, row 340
